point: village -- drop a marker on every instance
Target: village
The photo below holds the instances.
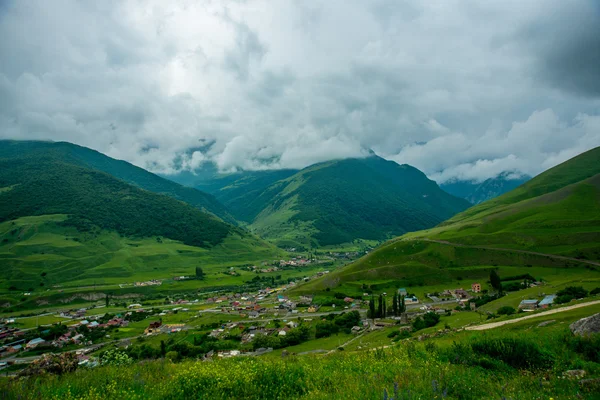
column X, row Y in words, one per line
column 267, row 317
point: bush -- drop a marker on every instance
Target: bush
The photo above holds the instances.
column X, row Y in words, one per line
column 115, row 358
column 516, row 352
column 428, row 320
column 589, row 347
column 575, row 292
column 563, row 299
column 172, row 355
column 595, row 291
column 506, row 310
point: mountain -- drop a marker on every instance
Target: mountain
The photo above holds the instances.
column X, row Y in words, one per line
column 553, row 221
column 239, row 191
column 478, row 192
column 88, row 158
column 61, row 222
column 335, row 202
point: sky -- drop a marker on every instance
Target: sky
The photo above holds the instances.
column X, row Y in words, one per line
column 461, row 89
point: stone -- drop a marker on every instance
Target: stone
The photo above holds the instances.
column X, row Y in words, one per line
column 546, row 323
column 575, row 373
column 590, row 384
column 586, row 326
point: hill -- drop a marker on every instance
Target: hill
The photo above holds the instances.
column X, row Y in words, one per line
column 335, row 202
column 75, row 223
column 478, row 192
column 82, row 156
column 548, row 226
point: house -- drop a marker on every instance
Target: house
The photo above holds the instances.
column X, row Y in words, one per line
column 153, row 327
column 348, row 299
column 312, row 309
column 93, row 324
column 305, row 299
column 547, row 301
column 476, row 287
column 253, row 314
column 402, row 292
column 34, row 343
column 134, row 306
column 461, row 294
column 292, row 324
column 528, row 305
column 14, row 349
column 411, row 300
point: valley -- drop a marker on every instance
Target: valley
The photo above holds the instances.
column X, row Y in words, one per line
column 314, row 272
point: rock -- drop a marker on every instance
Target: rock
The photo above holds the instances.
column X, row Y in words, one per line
column 590, row 384
column 546, row 323
column 575, row 373
column 586, row 326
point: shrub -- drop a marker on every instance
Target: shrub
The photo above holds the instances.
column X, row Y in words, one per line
column 573, row 291
column 172, row 355
column 506, row 310
column 428, row 320
column 516, row 352
column 563, row 299
column 115, row 357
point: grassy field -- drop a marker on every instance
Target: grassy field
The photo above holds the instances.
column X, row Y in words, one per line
column 69, row 258
column 556, row 213
column 435, row 368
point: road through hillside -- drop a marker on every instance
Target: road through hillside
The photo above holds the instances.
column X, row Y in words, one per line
column 514, row 321
column 511, row 250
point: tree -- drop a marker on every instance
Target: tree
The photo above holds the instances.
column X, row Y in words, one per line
column 506, row 310
column 402, row 306
column 384, row 307
column 106, row 300
column 371, row 312
column 199, row 273
column 380, row 306
column 163, row 347
column 395, row 304
column 495, row 281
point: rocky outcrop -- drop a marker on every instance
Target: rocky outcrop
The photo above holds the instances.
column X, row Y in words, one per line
column 586, row 326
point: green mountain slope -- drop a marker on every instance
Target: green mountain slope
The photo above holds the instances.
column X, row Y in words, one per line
column 79, row 225
column 552, row 221
column 341, row 201
column 85, row 157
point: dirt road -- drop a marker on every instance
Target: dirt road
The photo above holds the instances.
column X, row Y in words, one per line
column 514, row 321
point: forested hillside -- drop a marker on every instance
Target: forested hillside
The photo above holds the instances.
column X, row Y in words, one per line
column 340, row 201
column 82, row 156
column 93, row 199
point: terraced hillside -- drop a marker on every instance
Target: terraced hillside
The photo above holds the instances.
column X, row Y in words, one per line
column 548, row 226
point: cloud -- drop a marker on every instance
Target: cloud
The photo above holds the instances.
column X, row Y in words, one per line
column 528, row 147
column 460, row 89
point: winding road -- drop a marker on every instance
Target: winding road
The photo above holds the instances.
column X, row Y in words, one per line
column 543, row 313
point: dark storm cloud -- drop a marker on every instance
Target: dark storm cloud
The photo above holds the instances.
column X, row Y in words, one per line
column 567, row 47
column 459, row 88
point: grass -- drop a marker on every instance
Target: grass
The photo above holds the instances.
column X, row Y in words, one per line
column 33, row 322
column 412, row 370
